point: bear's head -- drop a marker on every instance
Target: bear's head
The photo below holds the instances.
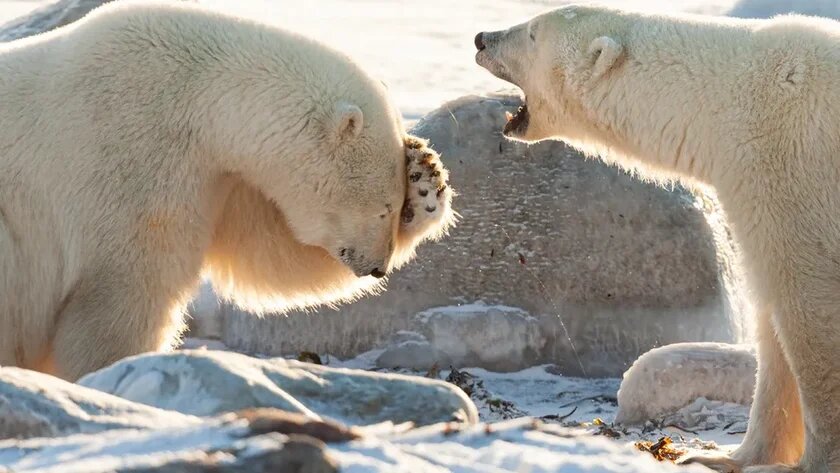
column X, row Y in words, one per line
column 553, row 58
column 338, row 165
column 349, row 202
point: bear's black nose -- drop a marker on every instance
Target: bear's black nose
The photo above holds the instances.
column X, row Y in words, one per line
column 479, row 42
column 377, row 273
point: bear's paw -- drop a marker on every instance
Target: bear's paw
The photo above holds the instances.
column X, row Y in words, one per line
column 426, row 212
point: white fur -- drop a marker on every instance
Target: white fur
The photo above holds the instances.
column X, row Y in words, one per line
column 752, row 109
column 149, row 142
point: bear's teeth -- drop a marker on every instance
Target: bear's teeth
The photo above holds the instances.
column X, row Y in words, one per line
column 508, row 116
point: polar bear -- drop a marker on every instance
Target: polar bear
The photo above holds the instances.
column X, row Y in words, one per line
column 151, row 142
column 750, row 108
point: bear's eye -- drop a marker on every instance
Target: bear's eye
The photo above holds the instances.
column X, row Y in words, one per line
column 533, row 36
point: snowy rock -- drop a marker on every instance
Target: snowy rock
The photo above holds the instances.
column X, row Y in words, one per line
column 206, row 382
column 605, row 263
column 52, row 15
column 224, row 445
column 37, row 405
column 413, row 355
column 666, row 379
column 498, row 338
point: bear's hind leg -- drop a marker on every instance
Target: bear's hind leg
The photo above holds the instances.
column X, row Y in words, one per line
column 103, row 324
column 775, row 433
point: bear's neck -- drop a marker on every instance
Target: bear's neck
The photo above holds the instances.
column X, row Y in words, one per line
column 668, row 110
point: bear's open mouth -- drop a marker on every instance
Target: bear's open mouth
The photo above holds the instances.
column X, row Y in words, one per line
column 517, row 123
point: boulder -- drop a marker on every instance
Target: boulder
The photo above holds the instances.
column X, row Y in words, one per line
column 667, row 379
column 608, row 266
column 48, row 17
column 33, row 404
column 207, row 382
column 498, row 338
column 412, row 355
column 229, row 444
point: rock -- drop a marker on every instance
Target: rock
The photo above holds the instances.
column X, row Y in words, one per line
column 50, row 16
column 266, row 420
column 413, row 355
column 666, row 379
column 606, row 263
column 228, row 444
column 37, row 405
column 497, row 338
column 206, row 382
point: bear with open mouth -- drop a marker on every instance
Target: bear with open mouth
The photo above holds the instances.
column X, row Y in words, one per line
column 748, row 108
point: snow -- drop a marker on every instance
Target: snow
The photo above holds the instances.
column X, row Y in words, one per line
column 503, row 447
column 510, row 445
column 667, row 378
column 117, row 448
column 697, row 425
column 209, row 382
column 35, row 404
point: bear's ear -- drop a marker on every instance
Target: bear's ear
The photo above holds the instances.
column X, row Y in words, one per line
column 604, row 52
column 348, row 121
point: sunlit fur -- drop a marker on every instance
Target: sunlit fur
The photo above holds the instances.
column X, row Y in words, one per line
column 149, row 142
column 750, row 108
column 255, row 261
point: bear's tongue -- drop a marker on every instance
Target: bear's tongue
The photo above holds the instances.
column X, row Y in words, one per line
column 517, row 121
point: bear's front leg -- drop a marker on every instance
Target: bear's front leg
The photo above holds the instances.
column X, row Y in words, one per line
column 109, row 318
column 809, row 333
column 775, row 433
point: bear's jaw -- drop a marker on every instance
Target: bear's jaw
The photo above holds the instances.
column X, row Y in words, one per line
column 517, row 123
column 485, row 59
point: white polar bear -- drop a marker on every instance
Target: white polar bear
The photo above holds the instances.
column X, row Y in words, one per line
column 149, row 142
column 750, row 108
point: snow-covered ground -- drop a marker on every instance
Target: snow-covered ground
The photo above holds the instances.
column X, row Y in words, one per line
column 539, row 392
column 578, row 402
column 101, row 429
column 507, row 447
